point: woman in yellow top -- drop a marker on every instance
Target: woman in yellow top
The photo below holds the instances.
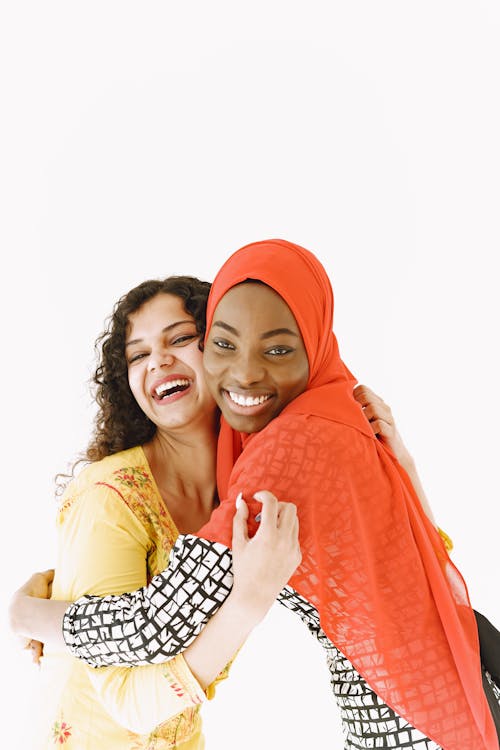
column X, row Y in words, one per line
column 152, row 476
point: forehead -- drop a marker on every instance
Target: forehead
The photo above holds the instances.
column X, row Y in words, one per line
column 256, row 306
column 160, row 311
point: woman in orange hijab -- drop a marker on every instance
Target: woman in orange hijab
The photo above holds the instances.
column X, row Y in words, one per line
column 375, row 579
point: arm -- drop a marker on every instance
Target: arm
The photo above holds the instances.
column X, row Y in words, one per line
column 158, row 621
column 150, row 625
column 262, row 566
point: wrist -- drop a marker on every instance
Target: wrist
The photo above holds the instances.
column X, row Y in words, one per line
column 407, row 462
column 249, row 609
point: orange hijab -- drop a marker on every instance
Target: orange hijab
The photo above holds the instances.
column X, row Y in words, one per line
column 373, row 564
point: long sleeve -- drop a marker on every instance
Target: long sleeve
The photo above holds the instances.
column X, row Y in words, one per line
column 158, row 621
column 103, row 549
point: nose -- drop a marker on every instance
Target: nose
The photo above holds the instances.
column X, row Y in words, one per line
column 160, row 358
column 247, row 370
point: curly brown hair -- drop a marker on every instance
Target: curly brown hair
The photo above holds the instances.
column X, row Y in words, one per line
column 120, row 423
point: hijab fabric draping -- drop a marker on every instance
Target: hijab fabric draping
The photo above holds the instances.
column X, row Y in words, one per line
column 438, row 687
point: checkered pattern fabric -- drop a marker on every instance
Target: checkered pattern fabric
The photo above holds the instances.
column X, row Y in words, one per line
column 158, row 621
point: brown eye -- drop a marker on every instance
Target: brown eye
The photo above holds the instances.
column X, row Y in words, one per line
column 184, row 339
column 136, row 357
column 279, row 351
column 222, row 344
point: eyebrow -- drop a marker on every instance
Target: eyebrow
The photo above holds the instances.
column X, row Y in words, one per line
column 266, row 335
column 164, row 330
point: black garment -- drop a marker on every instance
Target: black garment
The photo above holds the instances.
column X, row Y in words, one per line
column 489, row 643
column 489, row 646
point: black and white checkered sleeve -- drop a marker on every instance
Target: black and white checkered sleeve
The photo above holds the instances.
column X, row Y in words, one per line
column 159, row 621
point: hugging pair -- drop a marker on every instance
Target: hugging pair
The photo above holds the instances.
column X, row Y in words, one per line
column 375, row 582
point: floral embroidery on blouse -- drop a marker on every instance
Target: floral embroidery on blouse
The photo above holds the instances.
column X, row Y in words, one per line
column 135, row 485
column 139, row 743
column 135, row 476
column 174, row 679
column 61, row 732
column 173, row 732
column 66, row 505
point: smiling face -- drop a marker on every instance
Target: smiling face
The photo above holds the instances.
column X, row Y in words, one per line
column 255, row 360
column 165, row 368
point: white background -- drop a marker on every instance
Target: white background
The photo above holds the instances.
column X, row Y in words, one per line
column 144, row 139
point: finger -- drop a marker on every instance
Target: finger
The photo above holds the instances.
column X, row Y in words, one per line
column 36, row 651
column 296, row 529
column 378, row 411
column 381, row 428
column 287, row 515
column 364, row 395
column 360, row 390
column 240, row 522
column 49, row 577
column 298, row 551
column 269, row 511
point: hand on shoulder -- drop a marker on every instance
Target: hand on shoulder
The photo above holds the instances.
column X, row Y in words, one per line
column 381, row 419
column 263, row 564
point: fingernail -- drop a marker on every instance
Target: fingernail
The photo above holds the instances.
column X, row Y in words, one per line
column 239, row 499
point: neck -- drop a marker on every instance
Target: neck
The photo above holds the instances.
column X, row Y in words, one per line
column 183, row 465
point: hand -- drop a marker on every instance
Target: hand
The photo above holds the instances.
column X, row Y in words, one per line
column 39, row 585
column 382, row 423
column 379, row 415
column 263, row 564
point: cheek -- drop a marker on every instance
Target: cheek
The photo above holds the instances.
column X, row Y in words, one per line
column 133, row 381
column 305, row 375
column 212, row 370
column 298, row 383
column 194, row 360
column 211, row 382
column 210, row 366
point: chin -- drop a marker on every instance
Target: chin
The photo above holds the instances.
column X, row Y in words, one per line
column 248, row 425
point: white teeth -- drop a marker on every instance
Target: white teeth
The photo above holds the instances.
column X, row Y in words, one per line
column 169, row 385
column 241, row 400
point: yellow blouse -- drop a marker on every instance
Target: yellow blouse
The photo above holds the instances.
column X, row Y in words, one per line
column 114, row 535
